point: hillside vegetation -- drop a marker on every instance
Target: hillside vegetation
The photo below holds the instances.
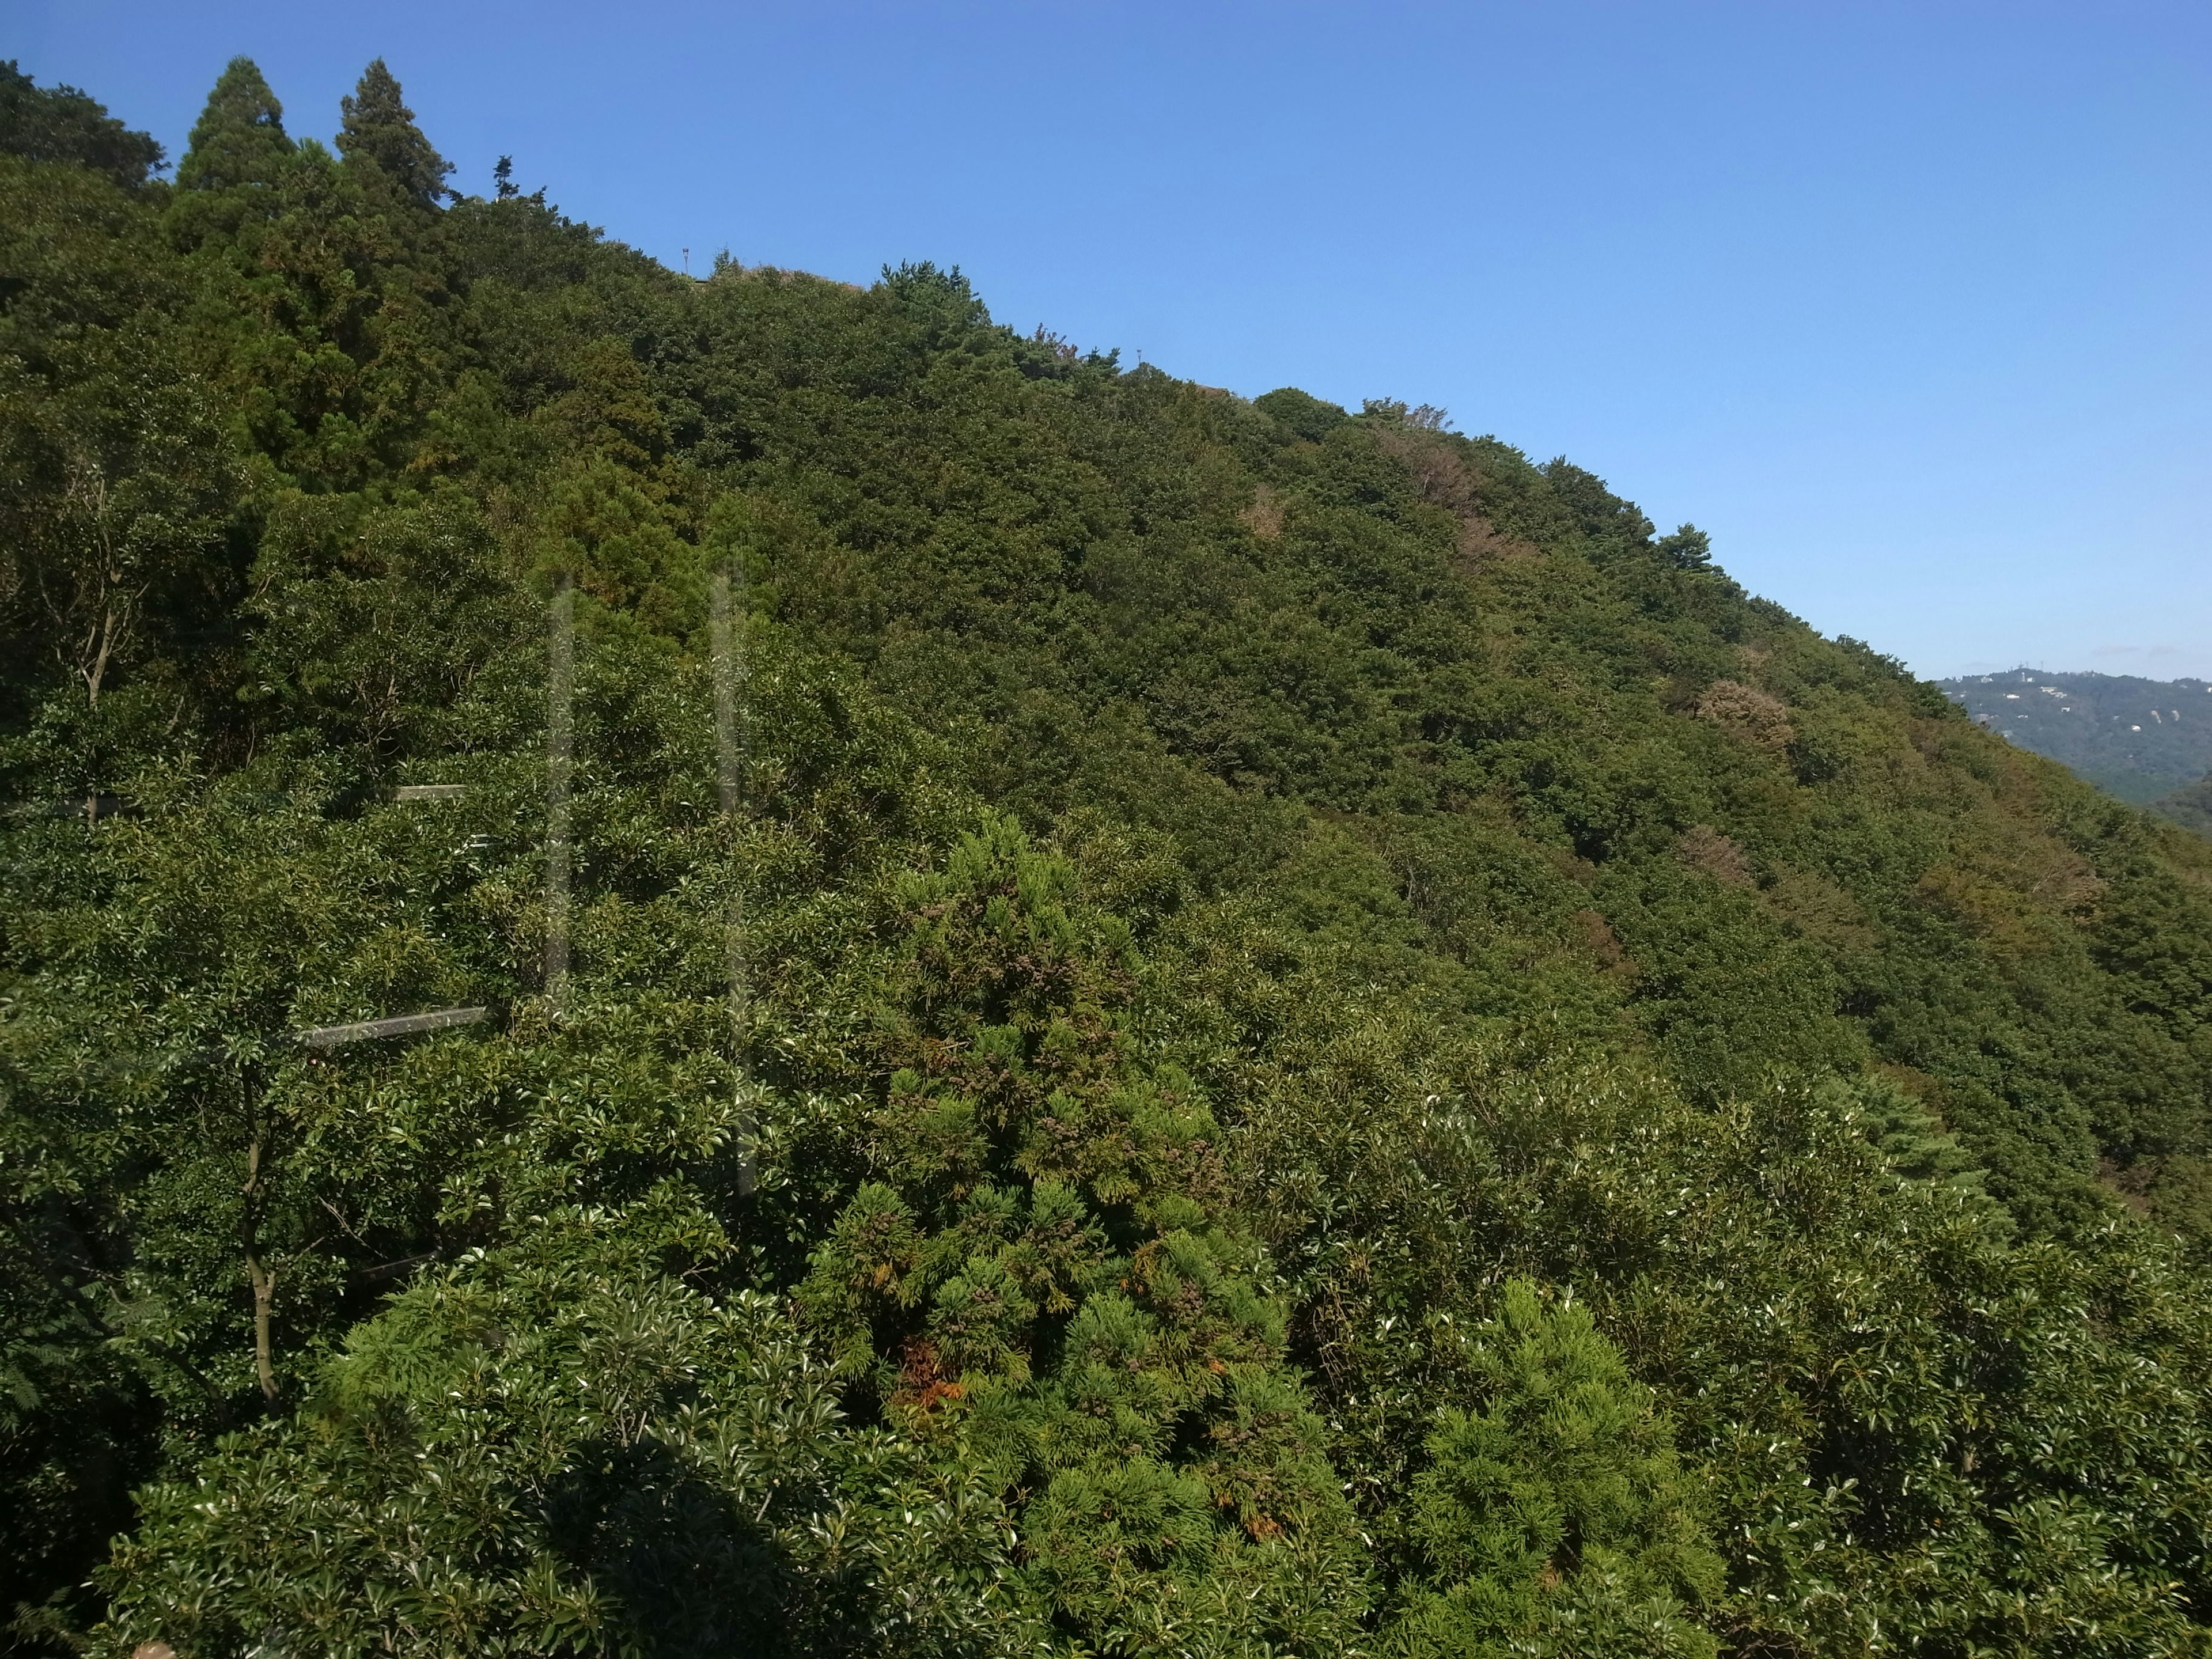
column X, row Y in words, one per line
column 1183, row 1026
column 2191, row 805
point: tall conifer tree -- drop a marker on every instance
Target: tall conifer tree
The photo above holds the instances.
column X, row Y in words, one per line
column 379, row 131
column 239, row 138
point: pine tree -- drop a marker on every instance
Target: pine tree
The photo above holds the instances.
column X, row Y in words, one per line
column 380, row 132
column 239, row 140
column 1555, row 1518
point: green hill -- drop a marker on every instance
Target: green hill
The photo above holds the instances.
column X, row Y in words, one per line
column 1086, row 1016
column 2140, row 740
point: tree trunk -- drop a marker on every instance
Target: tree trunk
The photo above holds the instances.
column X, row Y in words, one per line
column 264, row 1290
column 97, row 671
column 260, row 1275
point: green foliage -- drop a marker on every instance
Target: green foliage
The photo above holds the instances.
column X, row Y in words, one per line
column 1304, row 1039
column 60, row 124
column 118, row 483
column 1554, row 1517
column 559, row 1451
column 379, row 131
column 1299, row 413
column 1041, row 1265
column 1688, row 549
column 238, row 143
column 2190, row 806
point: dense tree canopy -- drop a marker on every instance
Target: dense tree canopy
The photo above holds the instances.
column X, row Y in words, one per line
column 1088, row 1018
column 60, row 124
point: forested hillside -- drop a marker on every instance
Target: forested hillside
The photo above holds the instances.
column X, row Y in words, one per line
column 2191, row 805
column 2141, row 739
column 1114, row 1020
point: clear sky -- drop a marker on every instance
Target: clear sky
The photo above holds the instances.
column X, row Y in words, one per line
column 1909, row 305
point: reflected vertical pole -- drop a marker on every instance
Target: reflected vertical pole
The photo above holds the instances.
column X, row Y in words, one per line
column 560, row 766
column 729, row 779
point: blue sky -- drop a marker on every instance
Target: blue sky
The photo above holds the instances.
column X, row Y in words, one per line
column 1909, row 305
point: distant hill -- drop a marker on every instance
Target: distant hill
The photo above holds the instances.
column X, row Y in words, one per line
column 2136, row 738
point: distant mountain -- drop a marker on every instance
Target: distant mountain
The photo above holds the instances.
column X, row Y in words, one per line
column 2136, row 738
